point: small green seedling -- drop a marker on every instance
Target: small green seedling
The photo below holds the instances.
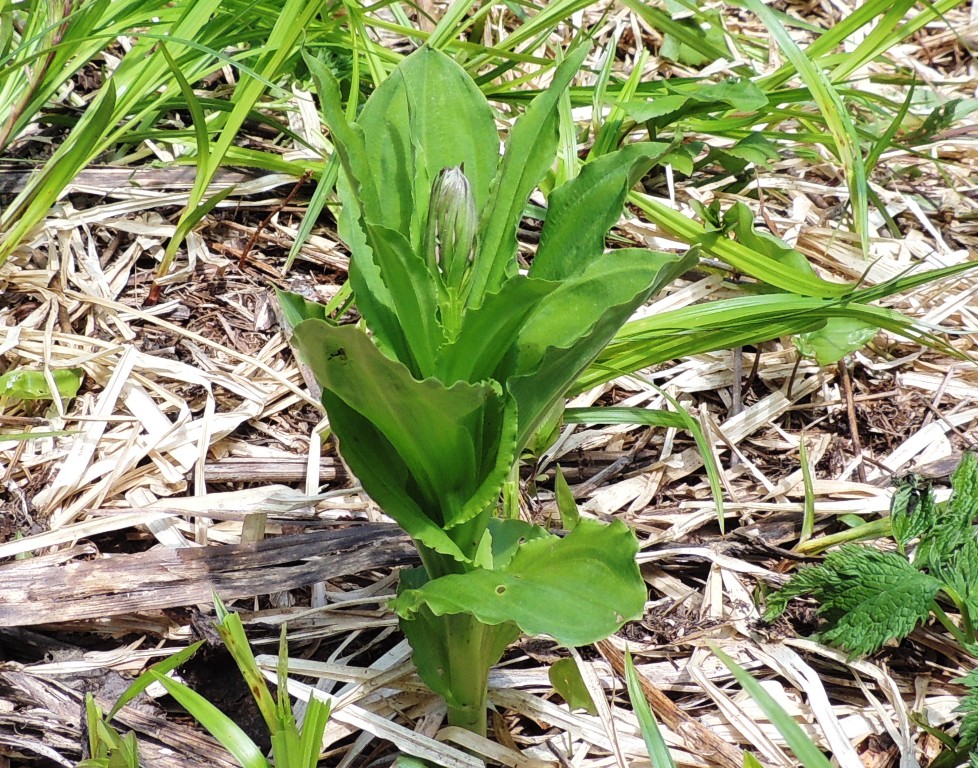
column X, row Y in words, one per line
column 468, row 356
column 292, row 746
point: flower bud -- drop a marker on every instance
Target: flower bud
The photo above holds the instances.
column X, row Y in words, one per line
column 452, row 225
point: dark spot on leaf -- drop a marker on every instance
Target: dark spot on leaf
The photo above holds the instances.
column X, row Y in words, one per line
column 340, row 353
column 501, row 589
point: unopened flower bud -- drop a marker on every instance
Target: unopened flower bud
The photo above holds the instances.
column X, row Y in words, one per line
column 452, row 225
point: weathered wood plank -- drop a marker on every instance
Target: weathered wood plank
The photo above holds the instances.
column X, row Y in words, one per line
column 56, row 588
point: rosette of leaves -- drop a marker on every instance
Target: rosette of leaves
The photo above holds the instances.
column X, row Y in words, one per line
column 461, row 357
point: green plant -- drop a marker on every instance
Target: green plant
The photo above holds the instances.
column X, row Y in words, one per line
column 867, row 596
column 292, row 746
column 468, row 358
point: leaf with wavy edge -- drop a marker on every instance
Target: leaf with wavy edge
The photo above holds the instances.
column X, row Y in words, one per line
column 577, row 589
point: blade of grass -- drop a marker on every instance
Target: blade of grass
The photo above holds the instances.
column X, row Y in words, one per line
column 833, row 110
column 654, row 743
column 804, row 748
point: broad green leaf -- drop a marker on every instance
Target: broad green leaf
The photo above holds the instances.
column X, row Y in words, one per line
column 755, row 148
column 578, row 589
column 657, row 106
column 839, row 337
column 508, row 536
column 33, row 385
column 489, row 332
column 454, row 442
column 427, row 116
column 556, row 345
column 740, row 220
column 358, row 192
column 566, row 679
column 414, row 296
column 530, row 152
column 436, row 640
column 654, row 743
column 296, row 308
column 385, row 476
column 580, row 212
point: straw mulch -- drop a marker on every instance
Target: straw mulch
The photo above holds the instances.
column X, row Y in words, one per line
column 193, row 463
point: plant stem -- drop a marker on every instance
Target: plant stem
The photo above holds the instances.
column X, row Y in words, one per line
column 949, row 625
column 468, row 671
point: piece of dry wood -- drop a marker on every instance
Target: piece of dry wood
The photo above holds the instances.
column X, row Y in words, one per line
column 271, row 470
column 698, row 739
column 50, row 589
column 13, row 178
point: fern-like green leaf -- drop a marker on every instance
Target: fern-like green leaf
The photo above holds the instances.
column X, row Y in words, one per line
column 968, row 732
column 953, row 529
column 866, row 597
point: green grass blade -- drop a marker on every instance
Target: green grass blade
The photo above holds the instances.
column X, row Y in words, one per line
column 616, row 415
column 804, row 748
column 737, row 255
column 142, row 682
column 836, row 118
column 654, row 743
column 219, row 725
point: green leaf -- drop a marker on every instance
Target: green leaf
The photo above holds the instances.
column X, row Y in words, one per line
column 968, row 731
column 839, row 337
column 566, row 679
column 755, row 148
column 654, row 743
column 913, row 511
column 756, row 263
column 652, row 417
column 142, row 682
column 438, row 641
column 867, row 597
column 508, row 536
column 489, row 332
column 296, row 308
column 943, row 542
column 219, row 725
column 456, row 443
column 570, row 515
column 33, row 385
column 578, row 589
column 740, row 94
column 530, row 152
column 427, row 116
column 555, row 346
column 581, row 212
